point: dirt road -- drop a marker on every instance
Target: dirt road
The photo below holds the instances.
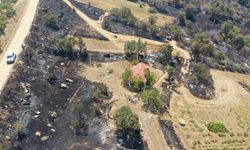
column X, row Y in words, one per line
column 17, row 41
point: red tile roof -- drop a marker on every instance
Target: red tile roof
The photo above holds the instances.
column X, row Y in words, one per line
column 139, row 71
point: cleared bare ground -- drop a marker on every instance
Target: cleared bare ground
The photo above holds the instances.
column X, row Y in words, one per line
column 230, row 106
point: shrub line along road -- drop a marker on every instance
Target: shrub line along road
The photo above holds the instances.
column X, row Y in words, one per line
column 17, row 41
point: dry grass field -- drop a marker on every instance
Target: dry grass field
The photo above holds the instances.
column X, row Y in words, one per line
column 141, row 13
column 107, row 46
column 231, row 106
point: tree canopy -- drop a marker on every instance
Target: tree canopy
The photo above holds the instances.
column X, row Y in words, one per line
column 133, row 47
column 126, row 121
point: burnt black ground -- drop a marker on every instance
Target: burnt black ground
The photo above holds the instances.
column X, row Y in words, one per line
column 35, row 68
column 90, row 11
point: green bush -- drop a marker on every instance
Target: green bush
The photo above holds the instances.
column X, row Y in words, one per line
column 133, row 47
column 10, row 11
column 152, row 99
column 201, row 74
column 126, row 121
column 64, row 46
column 124, row 15
column 176, row 31
column 150, row 78
column 2, row 25
column 101, row 92
column 239, row 41
column 135, row 62
column 166, row 51
column 170, row 70
column 229, row 31
column 152, row 20
column 201, row 45
column 152, row 10
column 126, row 75
column 217, row 127
column 190, row 12
column 220, row 12
column 137, row 83
column 52, row 22
column 181, row 18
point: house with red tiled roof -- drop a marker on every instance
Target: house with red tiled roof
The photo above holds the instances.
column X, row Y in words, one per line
column 139, row 71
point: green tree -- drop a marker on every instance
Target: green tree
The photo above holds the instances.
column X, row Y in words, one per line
column 82, row 47
column 182, row 20
column 124, row 15
column 201, row 74
column 2, row 24
column 64, row 47
column 229, row 31
column 152, row 99
column 190, row 12
column 10, row 11
column 239, row 41
column 150, row 78
column 176, row 31
column 220, row 12
column 126, row 75
column 133, row 47
column 201, row 45
column 152, row 20
column 166, row 51
column 126, row 121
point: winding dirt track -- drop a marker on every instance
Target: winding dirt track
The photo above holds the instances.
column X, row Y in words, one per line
column 228, row 92
column 17, row 41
